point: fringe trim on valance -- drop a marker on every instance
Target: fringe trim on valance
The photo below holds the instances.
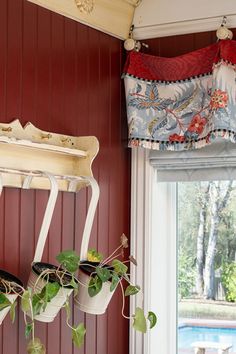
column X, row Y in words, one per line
column 186, row 145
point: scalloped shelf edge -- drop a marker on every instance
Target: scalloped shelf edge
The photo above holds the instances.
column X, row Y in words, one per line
column 31, row 149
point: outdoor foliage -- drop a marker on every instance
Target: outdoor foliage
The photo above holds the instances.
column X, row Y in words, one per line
column 206, row 235
column 186, row 274
column 229, row 281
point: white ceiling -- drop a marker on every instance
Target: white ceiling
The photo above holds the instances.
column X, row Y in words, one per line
column 152, row 18
column 156, row 18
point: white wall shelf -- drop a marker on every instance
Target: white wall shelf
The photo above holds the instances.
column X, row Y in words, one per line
column 35, row 159
column 26, row 150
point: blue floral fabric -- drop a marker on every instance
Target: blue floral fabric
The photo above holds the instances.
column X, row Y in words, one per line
column 182, row 114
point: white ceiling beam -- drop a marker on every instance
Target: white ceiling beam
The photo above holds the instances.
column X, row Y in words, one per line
column 109, row 16
column 182, row 27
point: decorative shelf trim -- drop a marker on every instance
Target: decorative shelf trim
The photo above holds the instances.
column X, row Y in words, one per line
column 26, row 150
column 58, row 149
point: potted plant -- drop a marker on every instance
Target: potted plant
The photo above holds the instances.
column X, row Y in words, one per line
column 50, row 286
column 98, row 278
column 10, row 288
column 48, row 290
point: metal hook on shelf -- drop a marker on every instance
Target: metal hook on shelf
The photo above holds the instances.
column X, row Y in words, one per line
column 90, row 217
column 72, row 187
column 73, row 182
column 91, row 210
column 48, row 212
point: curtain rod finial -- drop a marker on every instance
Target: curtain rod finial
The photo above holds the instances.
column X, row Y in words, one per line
column 223, row 32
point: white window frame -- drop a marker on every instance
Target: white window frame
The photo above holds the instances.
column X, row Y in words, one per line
column 153, row 228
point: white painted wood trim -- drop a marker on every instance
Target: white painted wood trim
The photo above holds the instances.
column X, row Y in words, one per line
column 141, row 185
column 153, row 218
column 113, row 17
column 182, row 27
column 163, row 254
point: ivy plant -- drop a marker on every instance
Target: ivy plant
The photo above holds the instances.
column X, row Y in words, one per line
column 113, row 269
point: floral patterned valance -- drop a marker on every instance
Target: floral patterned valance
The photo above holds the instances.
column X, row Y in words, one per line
column 184, row 102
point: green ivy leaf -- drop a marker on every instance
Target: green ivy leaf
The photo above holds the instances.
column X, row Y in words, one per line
column 25, row 301
column 13, row 311
column 119, row 267
column 94, row 256
column 4, row 302
column 152, row 319
column 78, row 334
column 95, row 286
column 132, row 290
column 35, row 346
column 114, row 281
column 69, row 260
column 37, row 304
column 28, row 329
column 140, row 323
column 103, row 273
column 40, row 300
column 50, row 290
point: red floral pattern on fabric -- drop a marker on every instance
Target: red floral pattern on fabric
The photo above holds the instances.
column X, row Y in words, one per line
column 176, row 137
column 193, row 105
column 197, row 124
column 219, row 99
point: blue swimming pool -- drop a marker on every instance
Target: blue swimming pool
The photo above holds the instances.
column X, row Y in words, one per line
column 188, row 335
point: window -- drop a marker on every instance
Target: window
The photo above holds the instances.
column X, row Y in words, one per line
column 153, row 217
column 206, row 268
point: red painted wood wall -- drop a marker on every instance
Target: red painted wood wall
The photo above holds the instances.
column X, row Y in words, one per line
column 181, row 44
column 63, row 77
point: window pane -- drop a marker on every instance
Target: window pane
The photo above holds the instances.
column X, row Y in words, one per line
column 206, row 265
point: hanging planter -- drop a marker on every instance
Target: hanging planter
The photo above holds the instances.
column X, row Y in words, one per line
column 99, row 279
column 46, row 280
column 51, row 288
column 10, row 288
column 96, row 305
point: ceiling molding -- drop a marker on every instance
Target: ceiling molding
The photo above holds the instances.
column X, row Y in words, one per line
column 111, row 17
column 182, row 27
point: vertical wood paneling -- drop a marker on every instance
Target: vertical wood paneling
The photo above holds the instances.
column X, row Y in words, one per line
column 11, row 251
column 29, row 57
column 178, row 45
column 64, row 77
column 67, row 243
column 104, row 177
column 54, row 247
column 44, row 74
column 3, row 57
column 14, row 57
